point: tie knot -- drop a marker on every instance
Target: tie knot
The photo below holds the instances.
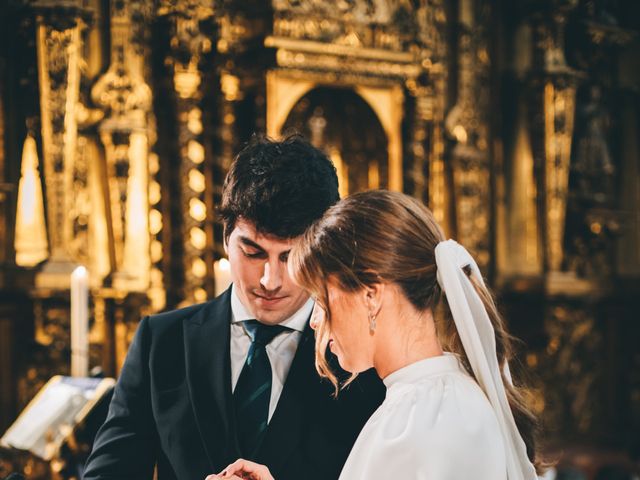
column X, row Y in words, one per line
column 263, row 334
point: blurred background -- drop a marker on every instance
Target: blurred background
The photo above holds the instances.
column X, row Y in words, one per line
column 516, row 121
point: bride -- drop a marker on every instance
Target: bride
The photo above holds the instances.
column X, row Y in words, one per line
column 381, row 271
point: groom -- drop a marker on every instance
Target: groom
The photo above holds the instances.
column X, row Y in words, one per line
column 235, row 377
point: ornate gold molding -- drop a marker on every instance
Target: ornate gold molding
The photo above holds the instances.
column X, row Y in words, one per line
column 346, row 51
column 283, row 93
column 388, row 105
column 381, row 26
column 124, row 95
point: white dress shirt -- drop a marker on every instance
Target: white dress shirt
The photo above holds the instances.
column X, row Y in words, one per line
column 280, row 351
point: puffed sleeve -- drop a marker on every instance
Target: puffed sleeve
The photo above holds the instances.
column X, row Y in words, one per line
column 441, row 429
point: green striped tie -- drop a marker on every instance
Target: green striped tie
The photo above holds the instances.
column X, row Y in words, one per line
column 253, row 390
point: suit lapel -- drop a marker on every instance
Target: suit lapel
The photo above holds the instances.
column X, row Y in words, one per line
column 209, row 378
column 285, row 428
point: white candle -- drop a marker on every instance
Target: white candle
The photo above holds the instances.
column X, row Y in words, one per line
column 80, row 322
column 221, row 275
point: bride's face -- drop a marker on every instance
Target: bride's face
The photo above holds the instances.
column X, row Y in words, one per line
column 349, row 336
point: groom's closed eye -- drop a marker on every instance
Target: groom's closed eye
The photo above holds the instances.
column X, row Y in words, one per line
column 251, row 249
column 254, row 254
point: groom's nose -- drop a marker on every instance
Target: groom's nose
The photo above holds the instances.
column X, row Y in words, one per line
column 272, row 275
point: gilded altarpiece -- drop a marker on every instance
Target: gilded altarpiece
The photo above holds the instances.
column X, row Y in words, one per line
column 389, row 55
column 142, row 106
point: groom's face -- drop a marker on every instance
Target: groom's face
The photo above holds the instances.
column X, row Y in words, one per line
column 259, row 273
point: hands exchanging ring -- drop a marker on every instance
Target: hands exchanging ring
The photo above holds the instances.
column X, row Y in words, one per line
column 243, row 469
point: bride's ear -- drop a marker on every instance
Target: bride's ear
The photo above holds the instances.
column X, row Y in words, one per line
column 373, row 297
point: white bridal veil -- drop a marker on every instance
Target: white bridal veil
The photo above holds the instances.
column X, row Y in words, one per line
column 478, row 339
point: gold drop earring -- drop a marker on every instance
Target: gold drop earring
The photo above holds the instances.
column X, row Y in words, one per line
column 372, row 321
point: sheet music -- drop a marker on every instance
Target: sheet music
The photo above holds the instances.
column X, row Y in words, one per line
column 51, row 416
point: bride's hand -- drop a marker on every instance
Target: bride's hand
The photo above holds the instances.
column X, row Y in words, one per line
column 243, row 469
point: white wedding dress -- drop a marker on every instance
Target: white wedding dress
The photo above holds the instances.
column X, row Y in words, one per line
column 434, row 424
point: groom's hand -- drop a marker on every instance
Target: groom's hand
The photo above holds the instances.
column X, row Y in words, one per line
column 243, row 469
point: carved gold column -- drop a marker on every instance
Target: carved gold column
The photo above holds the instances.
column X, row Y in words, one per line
column 419, row 143
column 58, row 45
column 430, row 110
column 518, row 244
column 189, row 45
column 559, row 109
column 437, row 174
column 554, row 88
column 124, row 95
column 468, row 126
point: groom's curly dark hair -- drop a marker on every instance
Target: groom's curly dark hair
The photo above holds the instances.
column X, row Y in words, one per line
column 280, row 186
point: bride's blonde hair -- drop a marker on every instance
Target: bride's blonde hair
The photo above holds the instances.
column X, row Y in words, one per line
column 381, row 236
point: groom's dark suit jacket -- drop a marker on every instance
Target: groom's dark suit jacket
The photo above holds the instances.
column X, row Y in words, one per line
column 172, row 407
